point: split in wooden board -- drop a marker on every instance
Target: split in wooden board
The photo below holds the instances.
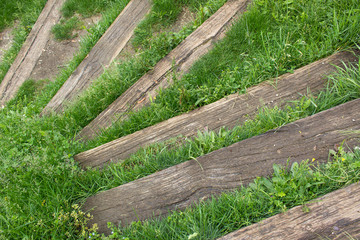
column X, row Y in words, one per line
column 226, row 169
column 102, row 54
column 183, row 56
column 227, row 112
column 31, row 51
column 333, row 216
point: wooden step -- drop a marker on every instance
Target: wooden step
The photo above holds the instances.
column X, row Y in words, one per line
column 102, row 54
column 183, row 56
column 333, row 216
column 226, row 169
column 230, row 111
column 31, row 51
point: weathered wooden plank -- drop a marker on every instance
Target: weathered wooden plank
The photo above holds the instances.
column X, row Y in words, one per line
column 332, row 216
column 227, row 112
column 102, row 54
column 183, row 56
column 225, row 169
column 31, row 51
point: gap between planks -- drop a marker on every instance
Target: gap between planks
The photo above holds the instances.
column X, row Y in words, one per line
column 31, row 51
column 226, row 169
column 102, row 54
column 333, row 216
column 228, row 112
column 183, row 56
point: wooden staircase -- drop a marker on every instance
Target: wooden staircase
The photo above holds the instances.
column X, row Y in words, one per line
column 226, row 169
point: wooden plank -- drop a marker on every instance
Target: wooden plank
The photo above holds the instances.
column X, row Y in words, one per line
column 31, row 51
column 102, row 54
column 332, row 216
column 183, row 56
column 226, row 169
column 228, row 112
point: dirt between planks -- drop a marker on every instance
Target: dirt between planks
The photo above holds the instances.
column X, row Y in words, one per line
column 57, row 54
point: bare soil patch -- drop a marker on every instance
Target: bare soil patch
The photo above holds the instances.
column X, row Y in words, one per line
column 185, row 17
column 57, row 53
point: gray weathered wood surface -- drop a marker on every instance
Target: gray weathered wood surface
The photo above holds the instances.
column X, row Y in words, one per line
column 332, row 216
column 227, row 112
column 31, row 51
column 102, row 54
column 183, row 56
column 226, row 169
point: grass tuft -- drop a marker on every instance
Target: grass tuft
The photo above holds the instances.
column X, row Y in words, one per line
column 64, row 29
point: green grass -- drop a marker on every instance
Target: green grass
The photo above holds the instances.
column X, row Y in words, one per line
column 64, row 29
column 22, row 10
column 87, row 8
column 41, row 181
column 75, row 10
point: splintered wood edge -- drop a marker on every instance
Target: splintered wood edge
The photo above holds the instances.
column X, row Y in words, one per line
column 331, row 216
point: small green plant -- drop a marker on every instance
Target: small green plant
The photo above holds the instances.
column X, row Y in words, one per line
column 64, row 29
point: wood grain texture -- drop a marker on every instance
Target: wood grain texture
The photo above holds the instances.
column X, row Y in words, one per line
column 183, row 56
column 226, row 169
column 228, row 112
column 31, row 51
column 101, row 55
column 331, row 217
